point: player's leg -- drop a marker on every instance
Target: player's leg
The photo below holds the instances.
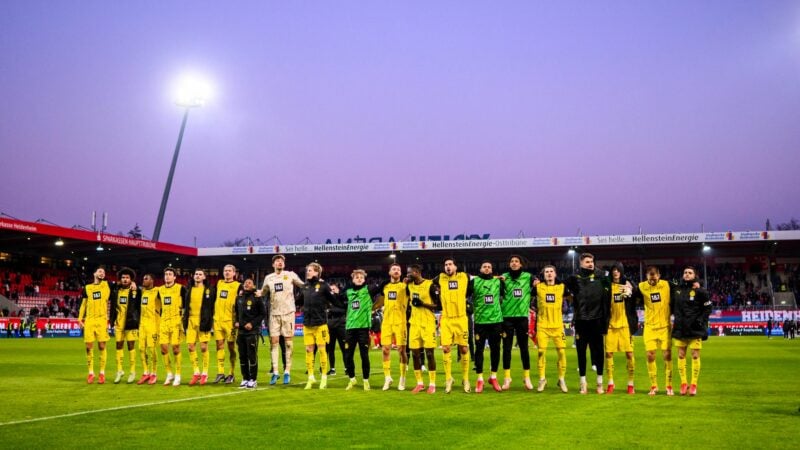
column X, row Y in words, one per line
column 494, row 336
column 695, row 367
column 119, row 354
column 131, row 341
column 597, row 352
column 322, row 339
column 479, row 336
column 561, row 351
column 667, row 352
column 308, row 341
column 508, row 343
column 446, row 339
column 287, row 332
column 350, row 342
column 244, row 359
column 581, row 343
column 650, row 346
column 386, row 355
column 541, row 358
column 521, row 331
column 363, row 347
column 221, row 336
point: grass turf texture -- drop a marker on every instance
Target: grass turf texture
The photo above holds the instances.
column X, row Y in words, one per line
column 748, row 396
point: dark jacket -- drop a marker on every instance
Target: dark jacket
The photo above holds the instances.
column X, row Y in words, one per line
column 134, row 307
column 249, row 309
column 590, row 292
column 315, row 298
column 206, row 308
column 691, row 308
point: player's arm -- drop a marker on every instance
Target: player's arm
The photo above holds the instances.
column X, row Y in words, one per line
column 296, row 280
column 470, row 286
column 113, row 299
column 82, row 310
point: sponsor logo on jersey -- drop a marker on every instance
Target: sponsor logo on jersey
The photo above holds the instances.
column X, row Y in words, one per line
column 517, row 293
column 617, row 298
column 550, row 298
column 392, row 295
column 278, row 287
column 96, row 295
column 655, row 297
column 488, row 299
column 452, row 285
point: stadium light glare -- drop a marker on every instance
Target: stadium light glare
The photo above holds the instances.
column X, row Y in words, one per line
column 393, row 256
column 571, row 252
column 59, row 243
column 706, row 248
column 192, row 91
column 100, row 248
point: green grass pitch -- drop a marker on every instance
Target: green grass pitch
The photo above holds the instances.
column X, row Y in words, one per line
column 748, row 397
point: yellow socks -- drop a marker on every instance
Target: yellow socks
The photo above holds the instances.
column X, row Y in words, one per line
column 668, row 372
column 682, row 370
column 652, row 372
column 387, row 369
column 195, row 362
column 695, row 370
column 562, row 362
column 221, row 361
column 206, row 357
column 631, row 365
column 541, row 363
column 120, row 354
column 103, row 357
column 465, row 367
column 610, row 368
column 310, row 364
column 90, row 359
column 448, row 365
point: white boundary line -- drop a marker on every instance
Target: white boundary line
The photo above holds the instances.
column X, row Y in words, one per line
column 143, row 405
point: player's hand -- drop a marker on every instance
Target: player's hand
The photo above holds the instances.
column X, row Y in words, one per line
column 133, row 285
column 259, row 292
column 248, row 326
column 416, row 302
column 536, row 281
column 235, row 324
column 696, row 285
column 80, row 322
column 501, row 278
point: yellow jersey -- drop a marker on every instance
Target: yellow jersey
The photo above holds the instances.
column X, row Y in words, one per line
column 420, row 315
column 619, row 318
column 171, row 304
column 549, row 303
column 123, row 295
column 226, row 301
column 453, row 295
column 151, row 306
column 395, row 303
column 656, row 304
column 196, row 302
column 94, row 304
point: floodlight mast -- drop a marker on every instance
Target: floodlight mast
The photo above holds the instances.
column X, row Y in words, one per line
column 187, row 102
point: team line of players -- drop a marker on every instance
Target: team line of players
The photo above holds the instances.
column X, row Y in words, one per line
column 495, row 307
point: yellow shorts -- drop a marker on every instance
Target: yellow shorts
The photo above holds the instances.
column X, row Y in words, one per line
column 657, row 339
column 318, row 335
column 396, row 331
column 193, row 333
column 454, row 331
column 148, row 335
column 282, row 325
column 544, row 335
column 422, row 336
column 95, row 330
column 171, row 334
column 127, row 336
column 692, row 344
column 619, row 340
column 225, row 333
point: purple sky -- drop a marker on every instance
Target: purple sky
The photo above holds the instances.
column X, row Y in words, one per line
column 331, row 119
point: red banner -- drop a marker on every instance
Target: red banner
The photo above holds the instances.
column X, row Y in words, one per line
column 104, row 238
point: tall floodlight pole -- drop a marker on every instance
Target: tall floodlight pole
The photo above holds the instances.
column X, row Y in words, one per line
column 192, row 95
